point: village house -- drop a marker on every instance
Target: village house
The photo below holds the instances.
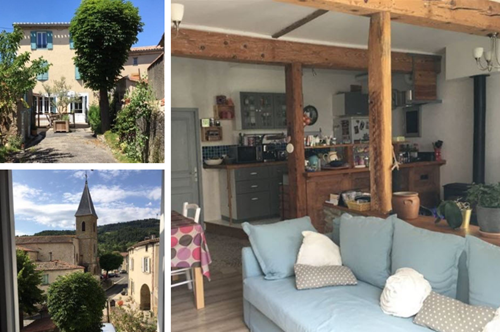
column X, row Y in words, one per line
column 144, row 274
column 53, row 41
column 63, row 254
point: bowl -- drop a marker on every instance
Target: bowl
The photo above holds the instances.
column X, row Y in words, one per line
column 213, row 162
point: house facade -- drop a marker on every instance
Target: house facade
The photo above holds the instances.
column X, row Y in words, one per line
column 144, row 258
column 53, row 42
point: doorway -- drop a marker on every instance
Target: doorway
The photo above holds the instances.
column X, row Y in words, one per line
column 186, row 159
column 145, row 298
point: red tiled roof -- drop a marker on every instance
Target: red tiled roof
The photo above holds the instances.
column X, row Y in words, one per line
column 25, row 249
column 42, row 24
column 40, row 325
column 146, row 49
column 45, row 239
column 143, row 243
column 56, row 265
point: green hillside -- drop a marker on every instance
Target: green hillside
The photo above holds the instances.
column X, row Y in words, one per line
column 120, row 236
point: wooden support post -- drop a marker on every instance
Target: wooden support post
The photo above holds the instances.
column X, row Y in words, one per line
column 295, row 122
column 379, row 89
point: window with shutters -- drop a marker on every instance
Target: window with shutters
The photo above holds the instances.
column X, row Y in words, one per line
column 43, row 77
column 132, row 264
column 41, row 40
column 45, row 279
column 146, row 265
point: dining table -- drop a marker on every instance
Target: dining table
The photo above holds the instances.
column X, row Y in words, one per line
column 189, row 250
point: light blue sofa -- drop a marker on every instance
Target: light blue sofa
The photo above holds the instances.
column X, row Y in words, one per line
column 276, row 305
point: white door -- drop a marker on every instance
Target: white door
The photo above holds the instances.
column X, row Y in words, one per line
column 80, row 107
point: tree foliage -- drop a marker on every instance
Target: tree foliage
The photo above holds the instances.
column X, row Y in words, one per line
column 76, row 302
column 133, row 121
column 110, row 261
column 64, row 96
column 28, row 280
column 18, row 74
column 131, row 321
column 103, row 32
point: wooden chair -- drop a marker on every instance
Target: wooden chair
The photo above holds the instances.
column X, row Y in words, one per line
column 187, row 271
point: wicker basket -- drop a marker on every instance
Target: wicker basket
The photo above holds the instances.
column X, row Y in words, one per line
column 353, row 205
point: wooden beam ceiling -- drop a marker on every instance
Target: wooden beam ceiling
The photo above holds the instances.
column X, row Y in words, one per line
column 299, row 23
column 477, row 17
column 236, row 48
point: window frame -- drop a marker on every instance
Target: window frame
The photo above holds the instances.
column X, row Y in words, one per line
column 45, row 279
column 42, row 33
column 135, row 61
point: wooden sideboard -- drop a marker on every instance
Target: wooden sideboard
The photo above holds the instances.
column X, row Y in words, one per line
column 422, row 177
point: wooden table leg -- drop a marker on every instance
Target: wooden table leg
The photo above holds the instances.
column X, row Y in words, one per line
column 199, row 294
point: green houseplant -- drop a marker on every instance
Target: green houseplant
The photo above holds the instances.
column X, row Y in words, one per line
column 487, row 198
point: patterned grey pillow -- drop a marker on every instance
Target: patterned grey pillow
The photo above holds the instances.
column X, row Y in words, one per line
column 444, row 314
column 308, row 276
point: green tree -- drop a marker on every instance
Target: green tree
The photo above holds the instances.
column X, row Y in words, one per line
column 76, row 302
column 110, row 261
column 18, row 74
column 62, row 91
column 28, row 280
column 103, row 32
column 128, row 320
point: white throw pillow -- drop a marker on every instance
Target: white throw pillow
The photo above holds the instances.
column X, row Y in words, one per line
column 404, row 293
column 318, row 250
column 494, row 325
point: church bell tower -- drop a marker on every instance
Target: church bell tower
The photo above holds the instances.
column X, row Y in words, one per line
column 86, row 232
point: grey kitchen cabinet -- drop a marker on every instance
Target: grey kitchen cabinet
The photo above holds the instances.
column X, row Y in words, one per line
column 262, row 110
column 254, row 192
column 350, row 103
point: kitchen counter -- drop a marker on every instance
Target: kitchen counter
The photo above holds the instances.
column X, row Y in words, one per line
column 238, row 166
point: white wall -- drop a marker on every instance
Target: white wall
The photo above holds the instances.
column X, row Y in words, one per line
column 460, row 61
column 195, row 83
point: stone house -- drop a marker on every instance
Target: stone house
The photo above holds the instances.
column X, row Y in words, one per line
column 53, row 41
column 144, row 274
column 58, row 255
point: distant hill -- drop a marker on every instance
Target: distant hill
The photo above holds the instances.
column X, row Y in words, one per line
column 120, row 236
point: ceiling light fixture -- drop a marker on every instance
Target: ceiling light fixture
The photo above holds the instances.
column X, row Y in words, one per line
column 491, row 56
column 177, row 15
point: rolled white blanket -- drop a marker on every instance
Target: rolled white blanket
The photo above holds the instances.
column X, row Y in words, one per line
column 404, row 293
column 494, row 325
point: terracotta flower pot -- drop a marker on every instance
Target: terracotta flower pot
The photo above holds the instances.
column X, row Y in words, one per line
column 406, row 204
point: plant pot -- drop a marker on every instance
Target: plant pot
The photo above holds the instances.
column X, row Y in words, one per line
column 466, row 219
column 406, row 204
column 61, row 125
column 488, row 219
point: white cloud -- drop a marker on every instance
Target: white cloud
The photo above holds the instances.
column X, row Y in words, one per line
column 109, row 174
column 79, row 174
column 149, row 204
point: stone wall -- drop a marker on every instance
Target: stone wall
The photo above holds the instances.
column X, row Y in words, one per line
column 156, row 78
column 157, row 137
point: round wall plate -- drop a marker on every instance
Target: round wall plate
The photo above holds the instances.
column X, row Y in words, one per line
column 312, row 113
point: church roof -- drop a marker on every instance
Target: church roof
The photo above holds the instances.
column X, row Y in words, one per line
column 86, row 207
column 44, row 239
column 56, row 265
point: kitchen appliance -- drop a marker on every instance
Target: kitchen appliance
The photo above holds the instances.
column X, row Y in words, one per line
column 246, row 154
column 274, row 147
column 354, row 129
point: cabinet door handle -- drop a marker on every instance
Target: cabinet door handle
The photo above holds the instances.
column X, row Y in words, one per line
column 253, row 173
column 254, row 186
column 255, row 199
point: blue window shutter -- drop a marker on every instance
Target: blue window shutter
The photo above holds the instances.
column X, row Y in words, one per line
column 33, row 40
column 77, row 73
column 50, row 44
column 71, row 45
column 43, row 77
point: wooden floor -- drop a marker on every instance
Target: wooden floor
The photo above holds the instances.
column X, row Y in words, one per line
column 223, row 310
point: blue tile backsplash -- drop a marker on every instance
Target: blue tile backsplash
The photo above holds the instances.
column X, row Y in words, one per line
column 216, row 151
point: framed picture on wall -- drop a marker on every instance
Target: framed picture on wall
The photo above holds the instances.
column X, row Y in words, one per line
column 413, row 121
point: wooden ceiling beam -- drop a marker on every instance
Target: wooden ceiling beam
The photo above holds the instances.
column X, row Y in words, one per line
column 477, row 17
column 299, row 23
column 236, row 48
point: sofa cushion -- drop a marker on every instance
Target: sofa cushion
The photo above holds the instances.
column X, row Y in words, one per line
column 308, row 276
column 444, row 314
column 483, row 261
column 435, row 255
column 342, row 308
column 318, row 250
column 365, row 247
column 276, row 245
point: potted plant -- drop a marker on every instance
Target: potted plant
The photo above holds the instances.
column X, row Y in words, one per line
column 450, row 211
column 487, row 198
column 63, row 97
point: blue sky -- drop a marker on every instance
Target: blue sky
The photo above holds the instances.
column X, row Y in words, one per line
column 48, row 200
column 151, row 11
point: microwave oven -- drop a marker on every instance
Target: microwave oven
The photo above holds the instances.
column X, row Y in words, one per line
column 246, row 154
